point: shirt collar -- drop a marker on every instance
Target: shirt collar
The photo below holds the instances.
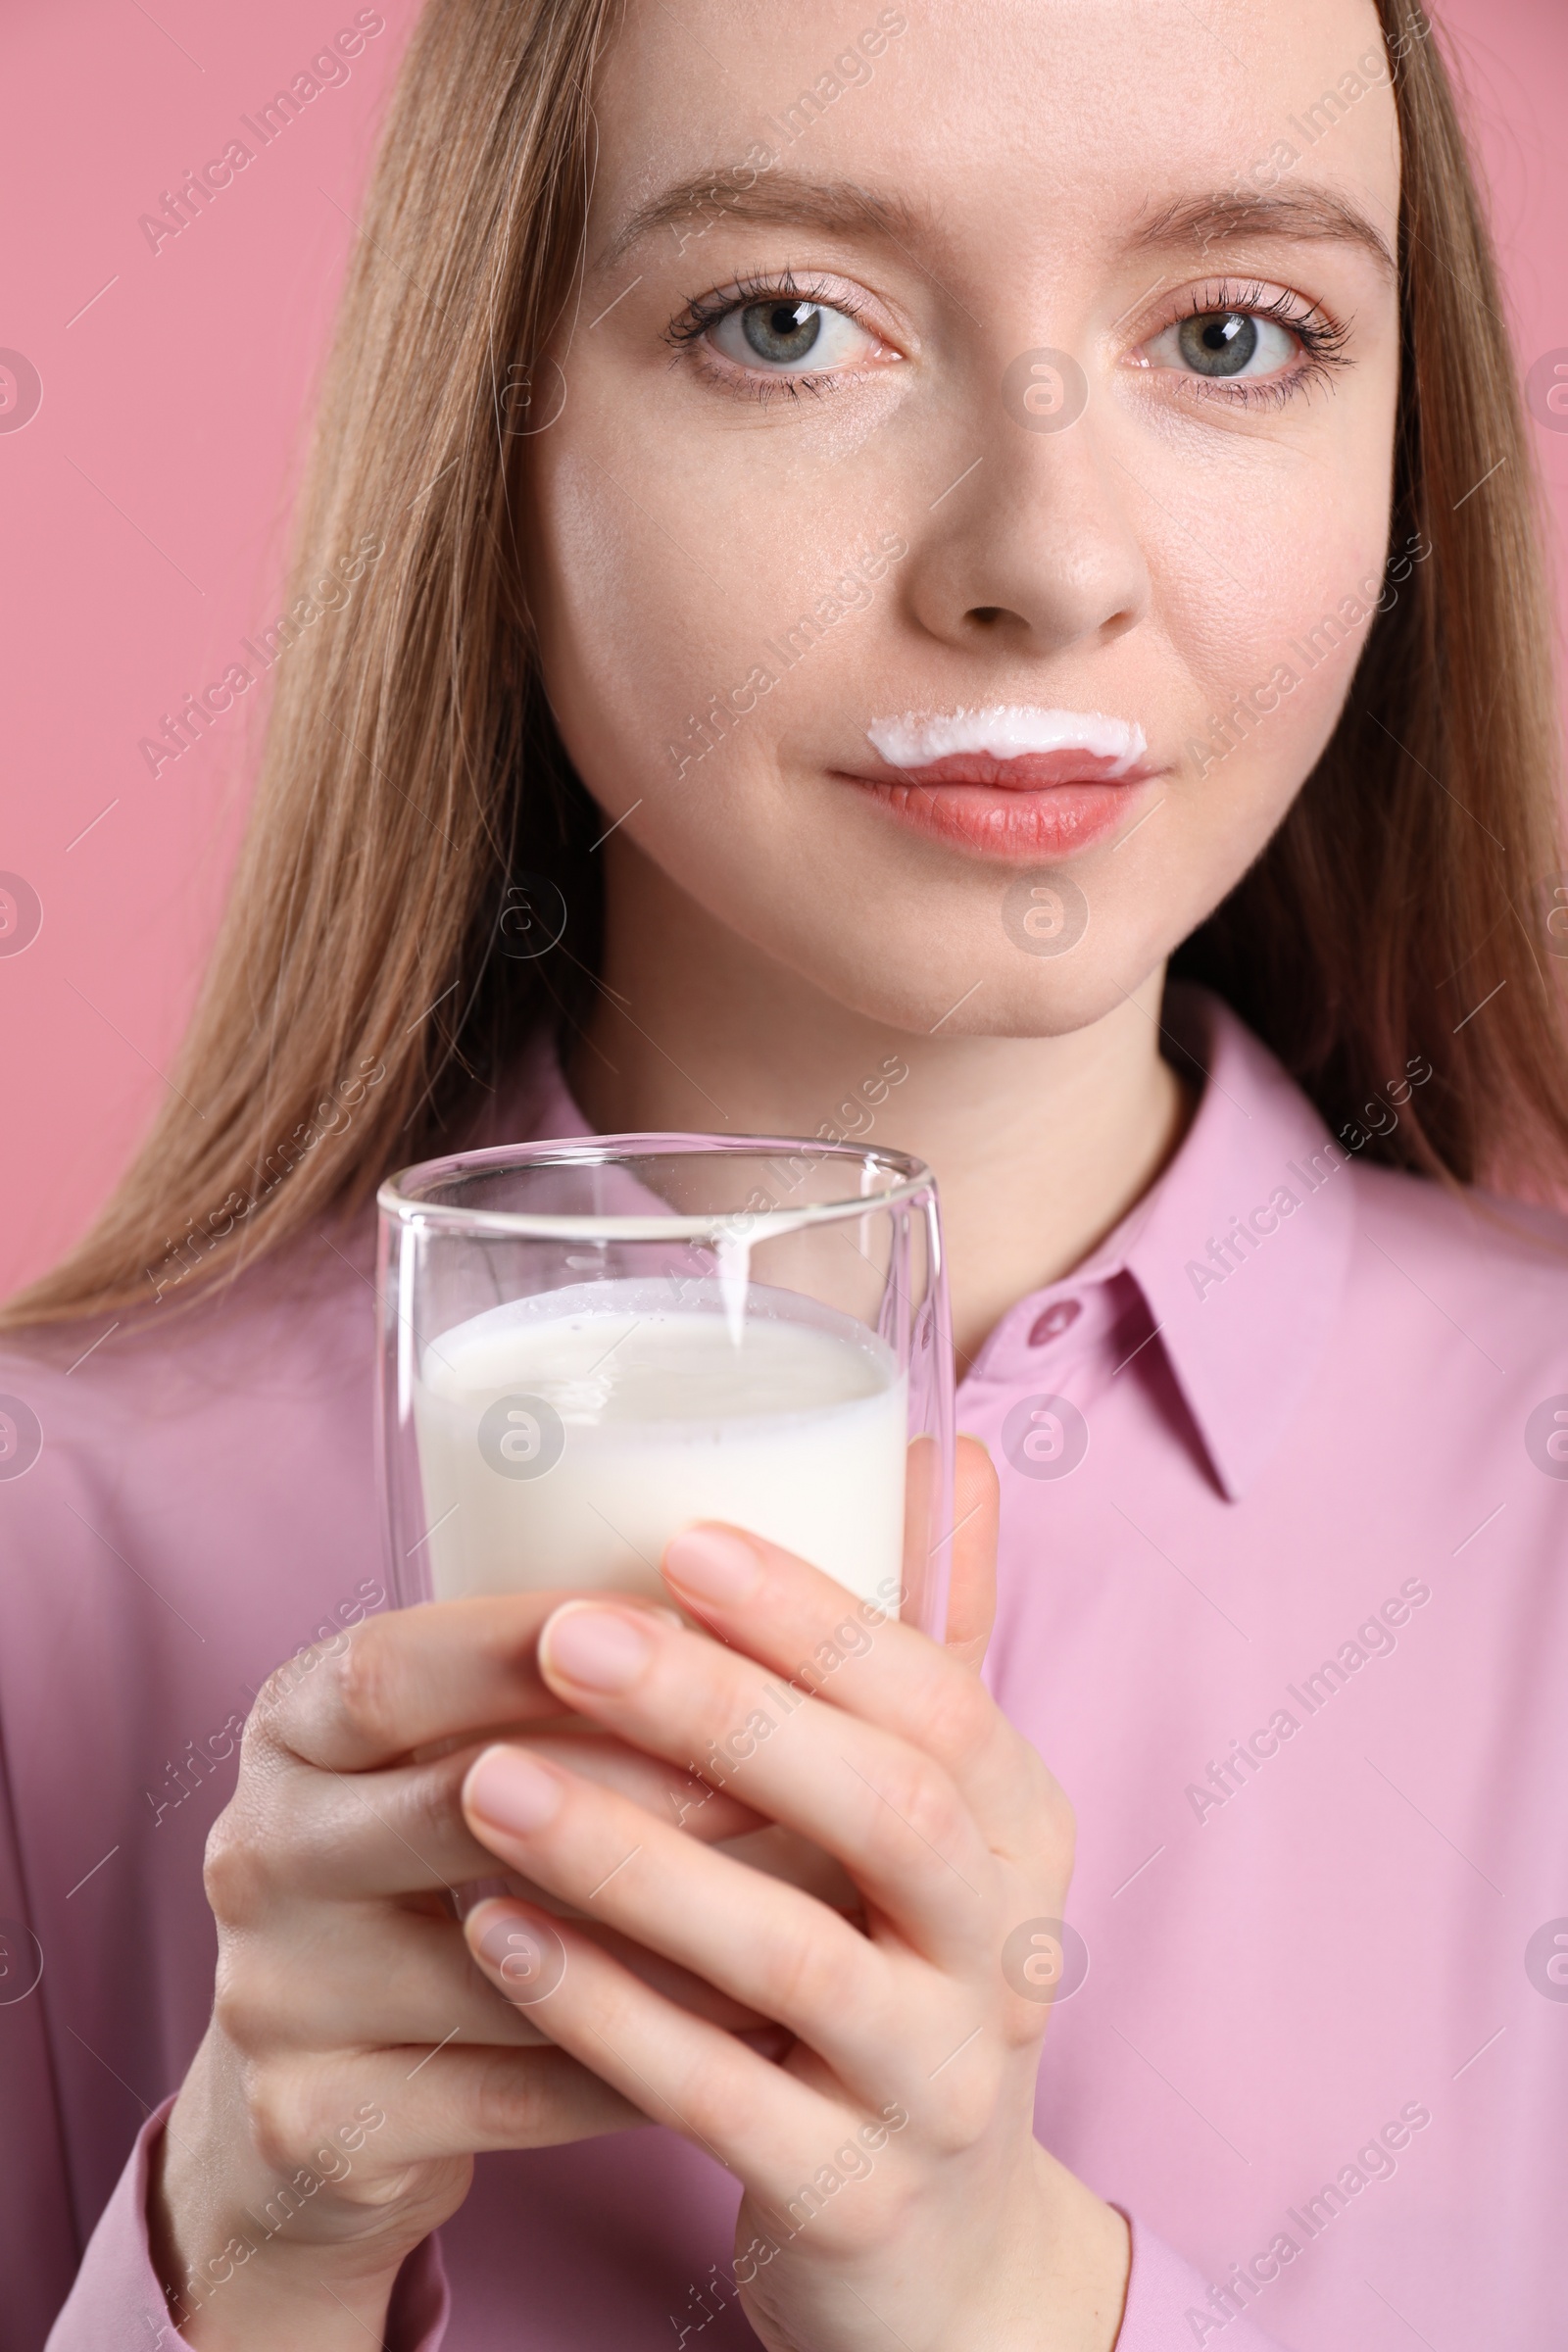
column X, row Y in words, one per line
column 535, row 1103
column 1241, row 1249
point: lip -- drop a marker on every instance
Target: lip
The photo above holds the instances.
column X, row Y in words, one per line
column 1018, row 785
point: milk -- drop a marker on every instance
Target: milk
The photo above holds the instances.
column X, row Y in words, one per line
column 564, row 1437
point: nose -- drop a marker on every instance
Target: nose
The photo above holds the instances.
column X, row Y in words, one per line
column 1031, row 549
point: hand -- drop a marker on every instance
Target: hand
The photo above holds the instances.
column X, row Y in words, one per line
column 356, row 2060
column 894, row 2190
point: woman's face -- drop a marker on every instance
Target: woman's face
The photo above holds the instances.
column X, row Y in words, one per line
column 960, row 492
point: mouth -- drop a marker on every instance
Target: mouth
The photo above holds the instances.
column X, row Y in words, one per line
column 1011, row 782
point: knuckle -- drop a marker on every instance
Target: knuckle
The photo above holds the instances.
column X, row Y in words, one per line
column 918, row 1793
column 1050, row 1826
column 802, row 1976
column 372, row 2192
column 268, row 1715
column 234, row 1871
column 718, row 2102
column 845, row 2227
column 242, row 2016
column 1024, row 2024
column 369, row 1684
column 512, row 2106
column 280, row 2101
column 266, row 1708
column 960, row 1712
column 274, row 1716
column 966, row 2112
column 501, row 2100
column 427, row 1812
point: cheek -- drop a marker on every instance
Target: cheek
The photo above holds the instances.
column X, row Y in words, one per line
column 1264, row 603
column 658, row 609
column 1270, row 654
column 1292, row 583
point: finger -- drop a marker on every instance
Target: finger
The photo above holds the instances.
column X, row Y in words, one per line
column 336, row 1837
column 887, row 1810
column 666, row 1976
column 758, row 2119
column 348, row 1836
column 407, row 1681
column 398, row 1976
column 973, row 1580
column 769, row 1946
column 320, row 2110
column 672, row 1795
column 763, row 1601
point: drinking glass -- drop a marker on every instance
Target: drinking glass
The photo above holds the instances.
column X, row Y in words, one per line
column 588, row 1344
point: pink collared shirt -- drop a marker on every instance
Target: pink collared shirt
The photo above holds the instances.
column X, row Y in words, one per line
column 1285, row 1525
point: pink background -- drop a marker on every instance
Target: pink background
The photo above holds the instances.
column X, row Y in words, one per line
column 145, row 505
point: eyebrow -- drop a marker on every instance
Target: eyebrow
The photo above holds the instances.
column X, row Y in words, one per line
column 1305, row 214
column 784, row 199
column 774, row 200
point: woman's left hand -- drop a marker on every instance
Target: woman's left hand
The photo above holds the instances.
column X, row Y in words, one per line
column 894, row 2190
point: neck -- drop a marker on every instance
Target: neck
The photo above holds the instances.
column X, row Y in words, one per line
column 1039, row 1145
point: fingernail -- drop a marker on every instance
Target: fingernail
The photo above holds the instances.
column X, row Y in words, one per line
column 510, row 1790
column 528, row 1957
column 714, row 1564
column 599, row 1648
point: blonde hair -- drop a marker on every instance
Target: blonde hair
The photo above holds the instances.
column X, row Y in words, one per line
column 414, row 810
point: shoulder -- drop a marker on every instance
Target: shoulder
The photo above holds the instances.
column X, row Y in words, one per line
column 1466, row 1273
column 143, row 1406
column 1480, row 1240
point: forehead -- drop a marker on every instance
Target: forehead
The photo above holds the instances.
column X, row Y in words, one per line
column 1016, row 122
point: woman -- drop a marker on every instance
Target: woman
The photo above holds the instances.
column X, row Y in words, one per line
column 871, row 540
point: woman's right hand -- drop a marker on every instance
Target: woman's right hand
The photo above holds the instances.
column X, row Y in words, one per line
column 358, row 2060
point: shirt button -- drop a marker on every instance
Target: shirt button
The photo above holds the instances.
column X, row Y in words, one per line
column 1055, row 1321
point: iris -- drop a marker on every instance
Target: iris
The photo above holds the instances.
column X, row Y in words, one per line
column 781, row 330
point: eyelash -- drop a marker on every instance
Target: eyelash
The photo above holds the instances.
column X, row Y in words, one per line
column 685, row 334
column 1321, row 336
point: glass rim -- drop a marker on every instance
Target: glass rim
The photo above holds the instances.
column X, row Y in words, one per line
column 397, row 1199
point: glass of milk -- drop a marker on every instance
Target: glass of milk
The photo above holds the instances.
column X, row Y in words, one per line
column 588, row 1344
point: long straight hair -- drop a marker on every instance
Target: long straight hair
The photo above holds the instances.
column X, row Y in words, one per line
column 417, row 837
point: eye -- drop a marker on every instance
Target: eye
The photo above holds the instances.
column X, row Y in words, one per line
column 1244, row 343
column 789, row 334
column 766, row 336
column 1226, row 344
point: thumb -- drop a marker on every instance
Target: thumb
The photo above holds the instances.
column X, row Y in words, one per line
column 972, row 1584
